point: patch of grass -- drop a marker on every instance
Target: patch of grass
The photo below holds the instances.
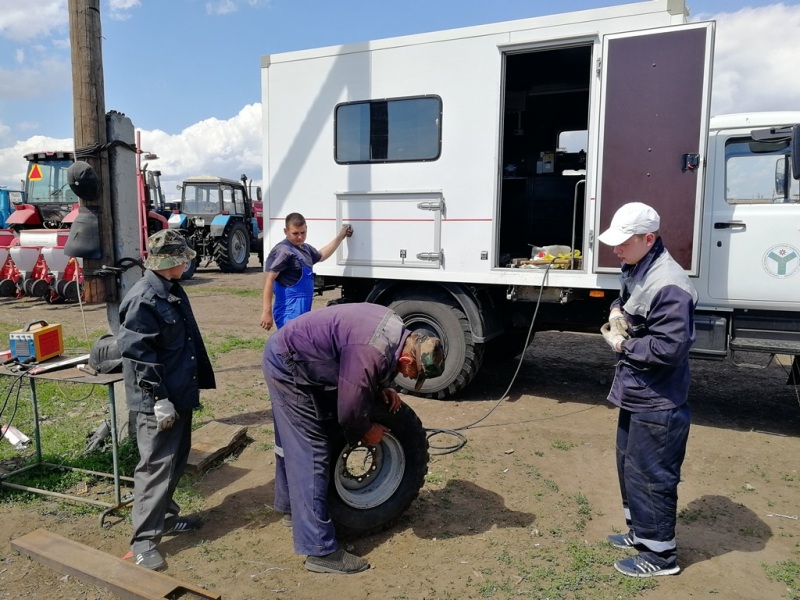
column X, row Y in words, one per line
column 218, row 345
column 584, row 511
column 586, row 575
column 551, row 485
column 788, row 573
column 264, row 447
column 254, row 292
column 433, row 478
column 686, row 515
column 563, row 445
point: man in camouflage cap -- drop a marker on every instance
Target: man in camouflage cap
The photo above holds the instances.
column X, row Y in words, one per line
column 429, row 356
column 165, row 365
column 332, row 364
column 167, row 249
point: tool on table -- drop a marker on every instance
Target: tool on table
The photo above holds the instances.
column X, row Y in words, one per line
column 61, row 364
column 86, row 369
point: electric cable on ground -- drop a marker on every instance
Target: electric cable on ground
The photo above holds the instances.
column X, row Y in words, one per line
column 456, row 432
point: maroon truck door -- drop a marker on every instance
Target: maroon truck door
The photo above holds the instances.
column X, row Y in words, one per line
column 654, row 130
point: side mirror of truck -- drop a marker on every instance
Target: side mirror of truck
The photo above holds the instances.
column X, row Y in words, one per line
column 796, row 151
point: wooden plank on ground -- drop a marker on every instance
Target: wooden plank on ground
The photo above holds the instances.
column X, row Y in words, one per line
column 212, row 441
column 90, row 565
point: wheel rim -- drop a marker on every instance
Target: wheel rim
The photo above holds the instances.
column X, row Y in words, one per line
column 239, row 246
column 367, row 476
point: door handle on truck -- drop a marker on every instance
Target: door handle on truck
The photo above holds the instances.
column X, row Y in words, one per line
column 730, row 225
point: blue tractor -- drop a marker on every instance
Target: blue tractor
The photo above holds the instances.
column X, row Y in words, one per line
column 217, row 218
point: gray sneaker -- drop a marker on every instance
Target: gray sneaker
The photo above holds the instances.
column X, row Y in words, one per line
column 286, row 520
column 621, row 540
column 182, row 525
column 639, row 566
column 340, row 562
column 151, row 559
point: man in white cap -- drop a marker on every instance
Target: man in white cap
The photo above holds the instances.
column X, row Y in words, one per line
column 651, row 328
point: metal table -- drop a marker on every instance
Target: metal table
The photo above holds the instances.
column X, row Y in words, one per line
column 73, row 375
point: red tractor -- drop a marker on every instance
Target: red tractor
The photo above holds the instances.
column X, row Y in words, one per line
column 42, row 222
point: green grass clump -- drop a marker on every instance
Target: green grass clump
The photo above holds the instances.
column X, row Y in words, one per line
column 788, row 573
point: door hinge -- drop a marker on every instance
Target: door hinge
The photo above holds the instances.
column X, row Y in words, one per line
column 598, row 70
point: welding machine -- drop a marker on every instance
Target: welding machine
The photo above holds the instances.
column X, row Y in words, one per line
column 37, row 340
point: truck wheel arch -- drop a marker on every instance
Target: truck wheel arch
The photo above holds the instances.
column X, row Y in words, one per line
column 452, row 313
column 468, row 301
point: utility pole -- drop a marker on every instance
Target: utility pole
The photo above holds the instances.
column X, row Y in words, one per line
column 89, row 114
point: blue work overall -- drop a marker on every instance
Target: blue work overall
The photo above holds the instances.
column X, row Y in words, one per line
column 292, row 301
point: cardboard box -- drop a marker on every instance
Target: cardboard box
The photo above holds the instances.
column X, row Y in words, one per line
column 38, row 340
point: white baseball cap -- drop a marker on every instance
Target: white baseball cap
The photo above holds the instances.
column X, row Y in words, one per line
column 630, row 219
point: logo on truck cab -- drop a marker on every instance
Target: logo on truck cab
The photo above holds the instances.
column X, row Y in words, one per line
column 782, row 260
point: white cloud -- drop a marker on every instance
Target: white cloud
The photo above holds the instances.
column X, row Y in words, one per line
column 37, row 77
column 12, row 161
column 23, row 22
column 223, row 148
column 120, row 9
column 224, row 7
column 756, row 51
column 211, row 147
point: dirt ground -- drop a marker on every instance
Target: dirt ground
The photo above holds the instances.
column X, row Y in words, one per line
column 506, row 516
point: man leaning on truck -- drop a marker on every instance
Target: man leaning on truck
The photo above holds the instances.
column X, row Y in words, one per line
column 289, row 276
column 651, row 328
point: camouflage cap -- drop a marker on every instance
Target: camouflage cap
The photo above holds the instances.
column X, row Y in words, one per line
column 430, row 358
column 166, row 249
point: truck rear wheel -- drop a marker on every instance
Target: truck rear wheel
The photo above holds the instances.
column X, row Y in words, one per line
column 233, row 249
column 440, row 315
column 372, row 486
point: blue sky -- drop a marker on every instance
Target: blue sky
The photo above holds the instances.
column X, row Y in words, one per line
column 187, row 72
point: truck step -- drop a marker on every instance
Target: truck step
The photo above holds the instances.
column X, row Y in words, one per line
column 791, row 347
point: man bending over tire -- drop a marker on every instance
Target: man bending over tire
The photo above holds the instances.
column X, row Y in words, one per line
column 354, row 351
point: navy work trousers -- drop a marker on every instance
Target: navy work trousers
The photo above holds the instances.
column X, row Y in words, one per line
column 302, row 457
column 650, row 451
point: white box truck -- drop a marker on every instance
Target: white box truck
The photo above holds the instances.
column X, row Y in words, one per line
column 459, row 155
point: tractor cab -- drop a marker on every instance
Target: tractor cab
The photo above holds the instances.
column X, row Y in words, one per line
column 49, row 201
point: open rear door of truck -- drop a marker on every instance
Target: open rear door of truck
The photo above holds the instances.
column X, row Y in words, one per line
column 654, row 123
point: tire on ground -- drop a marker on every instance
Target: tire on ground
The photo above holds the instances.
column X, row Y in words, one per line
column 368, row 491
column 440, row 315
column 233, row 248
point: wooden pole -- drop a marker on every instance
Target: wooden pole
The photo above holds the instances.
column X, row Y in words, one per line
column 89, row 114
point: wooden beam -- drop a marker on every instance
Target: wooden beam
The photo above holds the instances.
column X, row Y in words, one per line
column 127, row 580
column 212, row 441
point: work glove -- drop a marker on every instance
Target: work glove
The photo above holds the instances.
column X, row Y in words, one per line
column 619, row 324
column 613, row 339
column 165, row 414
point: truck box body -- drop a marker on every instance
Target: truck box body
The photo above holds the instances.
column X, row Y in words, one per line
column 457, row 155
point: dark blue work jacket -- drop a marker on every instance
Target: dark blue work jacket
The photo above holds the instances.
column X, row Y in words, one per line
column 163, row 354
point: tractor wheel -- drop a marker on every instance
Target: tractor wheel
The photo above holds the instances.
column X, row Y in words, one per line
column 372, row 486
column 189, row 272
column 440, row 315
column 233, row 249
